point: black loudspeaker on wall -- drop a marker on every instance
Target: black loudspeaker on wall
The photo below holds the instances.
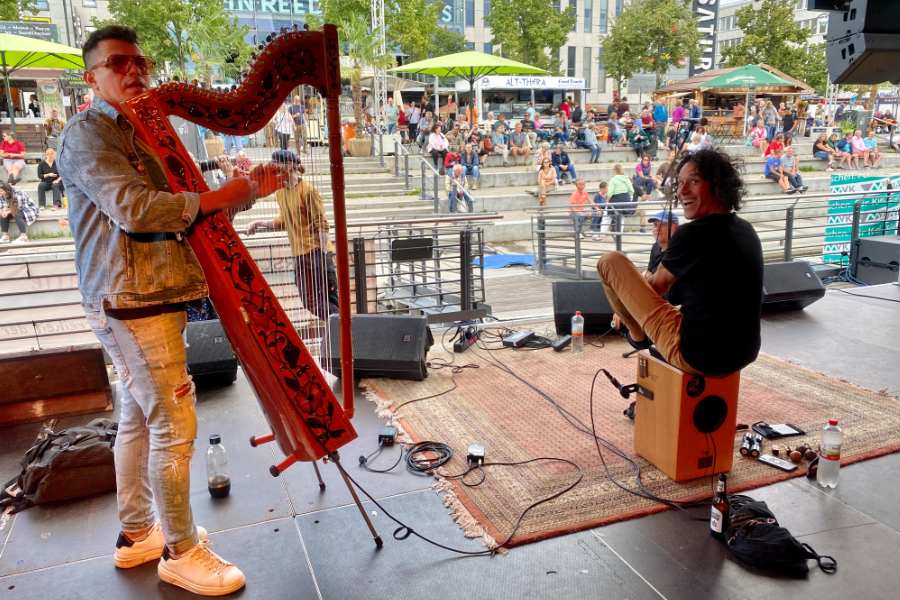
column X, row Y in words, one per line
column 589, row 297
column 394, row 346
column 210, row 359
column 790, row 286
column 863, row 42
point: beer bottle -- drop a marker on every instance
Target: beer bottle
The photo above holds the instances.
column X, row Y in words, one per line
column 718, row 524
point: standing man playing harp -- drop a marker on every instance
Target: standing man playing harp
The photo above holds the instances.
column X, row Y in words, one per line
column 135, row 272
column 302, row 215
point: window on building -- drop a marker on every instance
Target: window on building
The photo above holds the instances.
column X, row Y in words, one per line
column 556, row 5
column 588, row 10
column 570, row 65
column 42, row 5
column 618, row 7
column 801, row 4
column 604, row 6
column 487, row 11
column 586, row 68
column 470, row 13
column 573, row 9
column 823, row 26
column 89, row 3
column 488, row 48
column 470, row 45
column 601, row 79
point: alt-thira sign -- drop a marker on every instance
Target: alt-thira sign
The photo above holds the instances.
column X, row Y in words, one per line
column 707, row 14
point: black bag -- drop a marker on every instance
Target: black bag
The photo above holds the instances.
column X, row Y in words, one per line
column 755, row 538
column 73, row 463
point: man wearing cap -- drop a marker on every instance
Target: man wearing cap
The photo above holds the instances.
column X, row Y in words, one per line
column 302, row 215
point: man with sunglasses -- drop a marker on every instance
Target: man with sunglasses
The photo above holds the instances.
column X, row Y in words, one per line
column 136, row 271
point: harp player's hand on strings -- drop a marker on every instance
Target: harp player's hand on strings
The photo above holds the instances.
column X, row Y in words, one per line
column 270, row 177
column 236, row 191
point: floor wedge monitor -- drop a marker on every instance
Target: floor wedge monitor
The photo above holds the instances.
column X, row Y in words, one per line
column 394, row 346
column 585, row 296
column 790, row 286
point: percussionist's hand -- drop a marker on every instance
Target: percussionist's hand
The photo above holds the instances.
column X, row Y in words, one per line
column 617, row 322
column 236, row 191
column 269, row 177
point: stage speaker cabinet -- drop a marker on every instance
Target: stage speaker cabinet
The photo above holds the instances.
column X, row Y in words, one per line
column 790, row 286
column 687, row 430
column 878, row 260
column 589, row 297
column 394, row 346
column 863, row 43
column 210, row 359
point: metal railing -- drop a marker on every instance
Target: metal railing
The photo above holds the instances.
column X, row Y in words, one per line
column 400, row 150
column 431, row 175
column 820, row 228
column 378, row 146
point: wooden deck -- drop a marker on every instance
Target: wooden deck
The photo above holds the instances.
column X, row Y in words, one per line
column 518, row 292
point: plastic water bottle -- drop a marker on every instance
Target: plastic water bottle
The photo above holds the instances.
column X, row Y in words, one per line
column 830, row 455
column 217, row 477
column 577, row 333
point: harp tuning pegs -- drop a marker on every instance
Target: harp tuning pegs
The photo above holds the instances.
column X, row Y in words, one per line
column 306, row 26
column 244, row 75
column 294, row 27
column 261, row 46
column 269, row 38
column 234, row 87
column 194, row 82
column 175, row 78
column 253, row 56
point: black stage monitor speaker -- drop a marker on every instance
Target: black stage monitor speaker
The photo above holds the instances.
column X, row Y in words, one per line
column 589, row 297
column 863, row 43
column 790, row 286
column 878, row 260
column 210, row 359
column 394, row 346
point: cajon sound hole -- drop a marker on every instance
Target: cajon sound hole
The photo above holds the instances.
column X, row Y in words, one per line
column 710, row 414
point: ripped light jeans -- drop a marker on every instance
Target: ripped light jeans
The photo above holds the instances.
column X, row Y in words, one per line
column 157, row 426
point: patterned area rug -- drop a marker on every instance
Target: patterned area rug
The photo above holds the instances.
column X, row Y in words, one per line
column 514, row 423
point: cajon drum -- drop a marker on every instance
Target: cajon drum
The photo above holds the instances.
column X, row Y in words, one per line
column 690, row 422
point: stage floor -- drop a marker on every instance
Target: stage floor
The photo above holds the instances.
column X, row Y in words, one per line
column 294, row 542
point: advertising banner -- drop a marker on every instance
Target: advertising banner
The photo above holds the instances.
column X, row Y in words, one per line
column 878, row 214
column 707, row 14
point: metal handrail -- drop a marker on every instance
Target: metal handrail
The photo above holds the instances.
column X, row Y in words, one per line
column 437, row 195
column 398, row 147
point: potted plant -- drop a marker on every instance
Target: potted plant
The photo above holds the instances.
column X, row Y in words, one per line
column 363, row 50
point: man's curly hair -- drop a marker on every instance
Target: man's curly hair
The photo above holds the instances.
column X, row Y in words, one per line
column 722, row 172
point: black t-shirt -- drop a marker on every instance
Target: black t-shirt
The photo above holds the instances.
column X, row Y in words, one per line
column 718, row 263
column 656, row 256
column 672, row 136
column 787, row 121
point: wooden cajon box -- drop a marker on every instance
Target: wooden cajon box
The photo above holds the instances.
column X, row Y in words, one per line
column 689, row 423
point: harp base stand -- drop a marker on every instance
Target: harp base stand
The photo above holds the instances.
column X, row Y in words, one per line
column 334, row 457
column 319, row 476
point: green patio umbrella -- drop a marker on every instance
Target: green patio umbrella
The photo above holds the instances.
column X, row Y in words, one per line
column 746, row 77
column 17, row 52
column 470, row 66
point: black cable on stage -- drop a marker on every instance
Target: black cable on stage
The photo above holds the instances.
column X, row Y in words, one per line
column 364, row 460
column 404, row 531
column 580, row 426
column 424, row 465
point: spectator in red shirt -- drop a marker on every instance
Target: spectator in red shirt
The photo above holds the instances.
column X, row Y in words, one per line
column 646, row 120
column 778, row 144
column 13, row 153
column 564, row 107
column 86, row 105
column 580, row 206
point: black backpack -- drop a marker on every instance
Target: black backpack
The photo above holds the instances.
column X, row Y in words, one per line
column 755, row 538
column 73, row 463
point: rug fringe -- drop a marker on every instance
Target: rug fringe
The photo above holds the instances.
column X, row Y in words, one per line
column 467, row 523
column 383, row 410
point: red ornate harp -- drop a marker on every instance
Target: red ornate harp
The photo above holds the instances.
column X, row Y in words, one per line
column 307, row 421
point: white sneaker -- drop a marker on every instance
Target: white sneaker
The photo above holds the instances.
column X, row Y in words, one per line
column 829, row 169
column 131, row 554
column 201, row 571
column 4, row 239
column 22, row 239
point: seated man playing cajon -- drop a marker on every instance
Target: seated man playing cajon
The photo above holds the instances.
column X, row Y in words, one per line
column 718, row 262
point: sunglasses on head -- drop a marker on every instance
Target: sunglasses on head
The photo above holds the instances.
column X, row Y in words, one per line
column 121, row 63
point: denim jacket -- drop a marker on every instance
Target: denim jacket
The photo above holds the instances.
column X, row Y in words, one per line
column 130, row 250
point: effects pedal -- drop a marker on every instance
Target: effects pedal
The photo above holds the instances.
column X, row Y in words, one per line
column 388, row 436
column 518, row 339
column 475, row 455
column 562, row 343
column 467, row 337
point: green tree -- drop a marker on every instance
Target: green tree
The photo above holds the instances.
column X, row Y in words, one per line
column 363, row 50
column 814, row 69
column 771, row 36
column 530, row 31
column 411, row 26
column 651, row 36
column 200, row 28
column 9, row 9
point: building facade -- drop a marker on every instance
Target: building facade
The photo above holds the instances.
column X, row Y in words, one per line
column 580, row 57
column 730, row 35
